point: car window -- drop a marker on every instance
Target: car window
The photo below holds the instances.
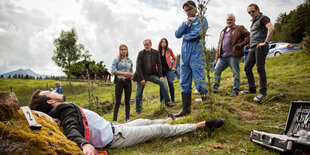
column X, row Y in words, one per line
column 272, row 46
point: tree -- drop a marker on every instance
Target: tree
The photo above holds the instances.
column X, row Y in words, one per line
column 202, row 10
column 1, row 76
column 87, row 59
column 293, row 27
column 67, row 50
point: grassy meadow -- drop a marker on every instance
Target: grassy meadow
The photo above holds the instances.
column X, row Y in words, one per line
column 288, row 78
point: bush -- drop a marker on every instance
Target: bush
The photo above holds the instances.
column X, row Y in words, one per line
column 306, row 44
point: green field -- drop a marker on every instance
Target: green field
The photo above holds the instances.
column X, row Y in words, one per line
column 288, row 79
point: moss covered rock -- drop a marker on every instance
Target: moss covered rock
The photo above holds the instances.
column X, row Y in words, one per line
column 17, row 138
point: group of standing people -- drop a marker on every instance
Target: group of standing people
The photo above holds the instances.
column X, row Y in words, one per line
column 232, row 46
column 153, row 65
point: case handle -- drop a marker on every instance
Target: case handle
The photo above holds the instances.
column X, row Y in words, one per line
column 266, row 139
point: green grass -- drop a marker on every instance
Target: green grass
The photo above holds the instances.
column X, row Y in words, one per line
column 288, row 78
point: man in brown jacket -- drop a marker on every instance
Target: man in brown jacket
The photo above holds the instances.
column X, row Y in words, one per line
column 229, row 52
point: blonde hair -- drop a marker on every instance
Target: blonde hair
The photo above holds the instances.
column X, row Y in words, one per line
column 119, row 57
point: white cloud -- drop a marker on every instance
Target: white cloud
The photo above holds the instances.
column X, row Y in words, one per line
column 28, row 27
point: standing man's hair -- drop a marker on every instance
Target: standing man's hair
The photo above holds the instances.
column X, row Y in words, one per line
column 231, row 15
column 255, row 6
column 149, row 40
column 39, row 102
column 190, row 4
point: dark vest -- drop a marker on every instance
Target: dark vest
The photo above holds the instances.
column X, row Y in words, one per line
column 258, row 31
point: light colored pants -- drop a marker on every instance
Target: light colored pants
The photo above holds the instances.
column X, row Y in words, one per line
column 142, row 130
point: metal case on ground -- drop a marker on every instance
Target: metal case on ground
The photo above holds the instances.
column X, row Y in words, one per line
column 287, row 141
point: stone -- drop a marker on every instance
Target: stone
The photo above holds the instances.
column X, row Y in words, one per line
column 9, row 98
column 8, row 106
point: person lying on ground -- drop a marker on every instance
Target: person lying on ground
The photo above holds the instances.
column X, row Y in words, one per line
column 93, row 131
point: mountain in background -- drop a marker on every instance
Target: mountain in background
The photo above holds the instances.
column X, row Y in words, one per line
column 25, row 72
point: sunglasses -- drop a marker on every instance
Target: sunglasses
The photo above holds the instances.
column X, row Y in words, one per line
column 253, row 11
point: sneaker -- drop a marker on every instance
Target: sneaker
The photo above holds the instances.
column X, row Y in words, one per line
column 234, row 94
column 214, row 123
column 248, row 92
column 127, row 120
column 259, row 97
column 114, row 123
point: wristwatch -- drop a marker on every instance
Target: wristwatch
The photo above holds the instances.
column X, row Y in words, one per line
column 266, row 42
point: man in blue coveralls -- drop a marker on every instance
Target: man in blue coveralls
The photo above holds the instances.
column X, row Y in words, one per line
column 192, row 63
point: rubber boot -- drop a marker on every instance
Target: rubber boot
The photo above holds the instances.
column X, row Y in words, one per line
column 186, row 103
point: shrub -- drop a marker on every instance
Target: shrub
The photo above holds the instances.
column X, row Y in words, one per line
column 306, row 44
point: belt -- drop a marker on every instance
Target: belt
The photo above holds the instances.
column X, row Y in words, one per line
column 113, row 128
column 123, row 78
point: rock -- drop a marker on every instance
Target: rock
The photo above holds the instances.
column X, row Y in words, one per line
column 8, row 106
column 17, row 138
column 9, row 98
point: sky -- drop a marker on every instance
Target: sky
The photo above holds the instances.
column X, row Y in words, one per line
column 29, row 27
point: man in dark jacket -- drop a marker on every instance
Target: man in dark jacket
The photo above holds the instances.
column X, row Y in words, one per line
column 89, row 130
column 229, row 52
column 148, row 68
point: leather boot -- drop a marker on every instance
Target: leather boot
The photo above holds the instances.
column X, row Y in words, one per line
column 186, row 103
column 204, row 96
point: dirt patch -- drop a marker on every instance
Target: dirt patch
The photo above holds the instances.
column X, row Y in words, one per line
column 249, row 115
column 217, row 145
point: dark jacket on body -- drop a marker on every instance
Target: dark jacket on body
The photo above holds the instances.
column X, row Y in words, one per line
column 141, row 63
column 71, row 121
column 258, row 31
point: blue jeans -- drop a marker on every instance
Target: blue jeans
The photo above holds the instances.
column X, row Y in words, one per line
column 221, row 65
column 177, row 74
column 139, row 91
column 170, row 78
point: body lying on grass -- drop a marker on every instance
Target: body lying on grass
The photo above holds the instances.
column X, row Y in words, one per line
column 103, row 134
